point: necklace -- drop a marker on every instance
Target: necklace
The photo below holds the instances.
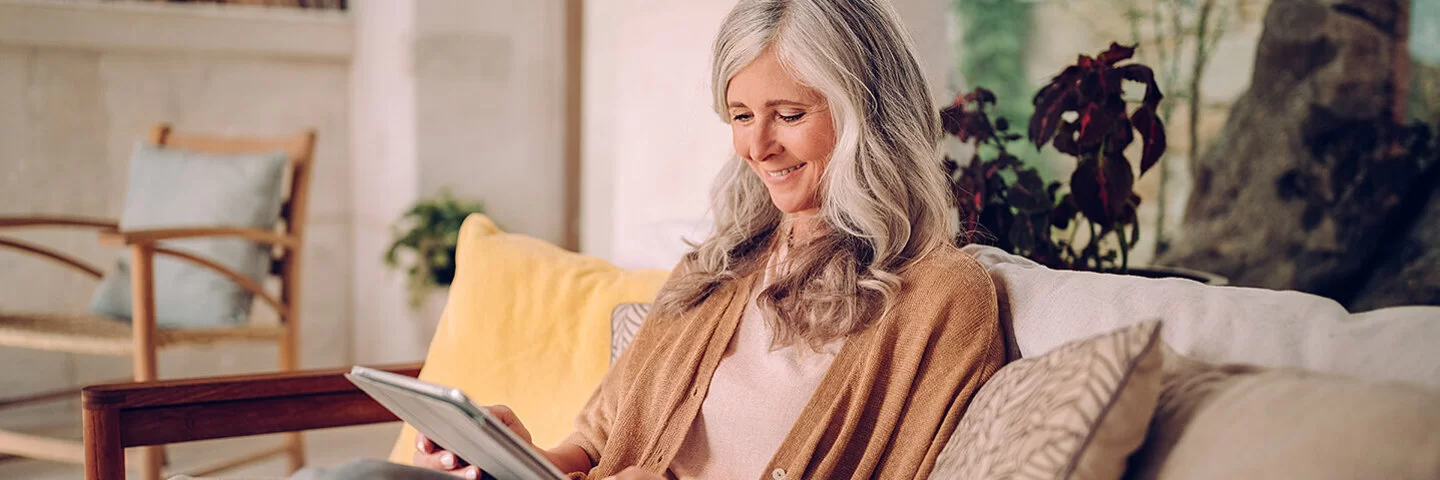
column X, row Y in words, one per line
column 789, row 238
column 782, row 249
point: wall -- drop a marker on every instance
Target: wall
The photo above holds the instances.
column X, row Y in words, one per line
column 451, row 94
column 385, row 175
column 82, row 82
column 651, row 144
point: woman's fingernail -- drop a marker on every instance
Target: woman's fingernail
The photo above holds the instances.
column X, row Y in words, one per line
column 448, row 460
column 472, row 473
column 420, row 445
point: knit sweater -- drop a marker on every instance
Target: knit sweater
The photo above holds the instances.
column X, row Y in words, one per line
column 886, row 406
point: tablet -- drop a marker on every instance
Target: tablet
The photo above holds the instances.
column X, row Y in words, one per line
column 451, row 420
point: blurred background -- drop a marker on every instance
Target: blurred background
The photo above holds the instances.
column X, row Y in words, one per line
column 1293, row 157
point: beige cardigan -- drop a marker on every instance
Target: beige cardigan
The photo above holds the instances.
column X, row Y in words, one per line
column 885, row 409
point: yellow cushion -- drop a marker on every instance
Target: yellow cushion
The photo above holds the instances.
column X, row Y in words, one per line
column 527, row 325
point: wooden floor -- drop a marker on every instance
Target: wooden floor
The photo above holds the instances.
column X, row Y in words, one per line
column 322, row 448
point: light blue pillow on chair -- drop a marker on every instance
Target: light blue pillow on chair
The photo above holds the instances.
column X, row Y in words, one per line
column 172, row 188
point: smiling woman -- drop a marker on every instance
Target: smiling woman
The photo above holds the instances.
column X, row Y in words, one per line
column 829, row 328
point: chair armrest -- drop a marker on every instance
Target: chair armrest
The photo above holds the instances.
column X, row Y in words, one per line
column 56, row 221
column 134, row 237
column 41, row 221
column 154, row 413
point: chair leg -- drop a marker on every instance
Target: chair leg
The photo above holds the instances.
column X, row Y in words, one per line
column 295, row 450
column 142, row 324
column 152, row 463
column 290, row 362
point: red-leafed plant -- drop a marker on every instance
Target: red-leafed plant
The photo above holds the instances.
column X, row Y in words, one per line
column 1082, row 112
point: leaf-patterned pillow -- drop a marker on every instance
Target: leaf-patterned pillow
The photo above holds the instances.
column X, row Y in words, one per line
column 1076, row 412
column 625, row 321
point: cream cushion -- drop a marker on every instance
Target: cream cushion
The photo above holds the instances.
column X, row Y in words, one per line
column 1046, row 308
column 1232, row 421
column 1074, row 413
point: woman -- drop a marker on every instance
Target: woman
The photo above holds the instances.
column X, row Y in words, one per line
column 828, row 328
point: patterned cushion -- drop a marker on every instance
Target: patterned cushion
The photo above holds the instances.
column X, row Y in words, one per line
column 1076, row 412
column 625, row 321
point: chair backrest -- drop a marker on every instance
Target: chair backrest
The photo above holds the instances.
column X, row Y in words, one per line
column 300, row 150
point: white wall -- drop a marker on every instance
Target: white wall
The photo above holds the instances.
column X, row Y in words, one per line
column 651, row 143
column 82, row 82
column 454, row 94
column 385, row 177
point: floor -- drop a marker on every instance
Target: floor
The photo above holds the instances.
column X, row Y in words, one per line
column 323, row 448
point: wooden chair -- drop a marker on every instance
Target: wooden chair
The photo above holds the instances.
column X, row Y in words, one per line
column 175, row 411
column 84, row 333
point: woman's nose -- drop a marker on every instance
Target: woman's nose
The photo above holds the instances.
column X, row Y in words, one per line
column 763, row 144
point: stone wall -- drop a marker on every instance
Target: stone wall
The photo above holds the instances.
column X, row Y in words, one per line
column 1316, row 188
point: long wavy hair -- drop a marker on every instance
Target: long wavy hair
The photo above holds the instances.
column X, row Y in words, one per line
column 883, row 196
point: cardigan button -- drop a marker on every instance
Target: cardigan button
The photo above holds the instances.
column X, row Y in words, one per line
column 778, row 474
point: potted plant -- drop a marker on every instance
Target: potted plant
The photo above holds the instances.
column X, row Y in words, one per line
column 1083, row 113
column 424, row 243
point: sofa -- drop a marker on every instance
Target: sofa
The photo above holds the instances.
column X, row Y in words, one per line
column 1215, row 381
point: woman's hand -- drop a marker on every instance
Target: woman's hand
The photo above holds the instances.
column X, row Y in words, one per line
column 433, row 456
column 634, row 473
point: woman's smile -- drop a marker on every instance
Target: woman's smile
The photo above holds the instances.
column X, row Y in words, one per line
column 784, row 174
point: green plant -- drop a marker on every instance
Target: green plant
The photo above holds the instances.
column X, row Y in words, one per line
column 1082, row 113
column 424, row 242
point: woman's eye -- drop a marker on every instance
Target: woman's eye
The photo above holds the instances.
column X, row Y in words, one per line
column 741, row 117
column 792, row 118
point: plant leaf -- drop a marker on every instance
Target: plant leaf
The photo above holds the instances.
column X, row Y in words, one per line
column 1093, row 124
column 1101, row 187
column 1064, row 211
column 1022, row 234
column 951, row 118
column 976, row 126
column 1065, row 139
column 1116, row 53
column 1027, row 195
column 1049, row 97
column 1120, row 136
column 1047, row 115
column 1152, row 135
column 1141, row 73
column 981, row 96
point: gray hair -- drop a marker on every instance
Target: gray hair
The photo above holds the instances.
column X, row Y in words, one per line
column 883, row 193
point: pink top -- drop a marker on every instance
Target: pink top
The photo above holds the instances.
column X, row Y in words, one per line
column 755, row 397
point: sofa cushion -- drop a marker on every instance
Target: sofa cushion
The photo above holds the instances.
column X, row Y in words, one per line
column 625, row 322
column 1075, row 412
column 527, row 325
column 1236, row 421
column 1043, row 308
column 171, row 188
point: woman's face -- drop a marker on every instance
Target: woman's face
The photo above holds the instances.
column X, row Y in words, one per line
column 784, row 132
